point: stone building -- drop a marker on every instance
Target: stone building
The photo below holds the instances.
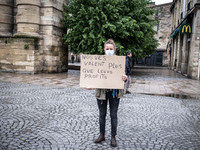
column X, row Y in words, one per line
column 184, row 43
column 31, row 36
column 163, row 29
column 163, row 16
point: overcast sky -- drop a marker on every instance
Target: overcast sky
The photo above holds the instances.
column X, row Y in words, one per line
column 158, row 2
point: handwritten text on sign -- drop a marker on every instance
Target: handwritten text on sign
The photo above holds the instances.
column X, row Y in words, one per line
column 102, row 71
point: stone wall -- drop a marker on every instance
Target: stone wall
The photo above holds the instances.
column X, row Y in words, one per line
column 39, row 20
column 163, row 16
column 55, row 54
column 194, row 56
column 165, row 59
column 28, row 17
column 185, row 56
column 6, row 17
column 19, row 55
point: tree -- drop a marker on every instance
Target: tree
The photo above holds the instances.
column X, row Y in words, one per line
column 90, row 23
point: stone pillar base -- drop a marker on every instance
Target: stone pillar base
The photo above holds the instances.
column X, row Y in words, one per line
column 184, row 68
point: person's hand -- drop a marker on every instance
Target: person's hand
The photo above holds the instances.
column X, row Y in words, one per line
column 124, row 77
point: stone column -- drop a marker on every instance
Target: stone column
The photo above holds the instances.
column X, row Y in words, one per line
column 185, row 56
column 174, row 60
column 178, row 64
column 54, row 57
column 180, row 51
column 28, row 18
column 6, row 17
column 195, row 46
column 172, row 53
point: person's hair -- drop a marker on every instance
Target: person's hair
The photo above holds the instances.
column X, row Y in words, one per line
column 110, row 41
column 128, row 53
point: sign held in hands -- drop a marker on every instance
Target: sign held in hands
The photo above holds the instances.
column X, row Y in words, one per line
column 102, row 71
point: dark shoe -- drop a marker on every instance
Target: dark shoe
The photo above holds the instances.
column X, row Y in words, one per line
column 113, row 141
column 127, row 92
column 100, row 138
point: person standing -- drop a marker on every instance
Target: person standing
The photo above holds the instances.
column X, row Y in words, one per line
column 111, row 96
column 72, row 58
column 128, row 71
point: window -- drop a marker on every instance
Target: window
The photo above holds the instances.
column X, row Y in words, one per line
column 189, row 6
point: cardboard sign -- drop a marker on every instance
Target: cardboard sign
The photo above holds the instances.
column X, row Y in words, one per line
column 102, row 71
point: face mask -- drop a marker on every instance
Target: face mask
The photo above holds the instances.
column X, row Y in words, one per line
column 110, row 52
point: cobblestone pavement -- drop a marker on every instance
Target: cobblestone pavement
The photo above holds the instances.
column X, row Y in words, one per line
column 160, row 82
column 67, row 79
column 164, row 82
column 43, row 117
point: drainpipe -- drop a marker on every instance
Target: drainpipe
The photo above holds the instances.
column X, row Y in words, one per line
column 184, row 8
column 199, row 66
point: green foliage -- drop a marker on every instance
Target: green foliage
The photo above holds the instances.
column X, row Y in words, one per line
column 89, row 23
column 26, row 46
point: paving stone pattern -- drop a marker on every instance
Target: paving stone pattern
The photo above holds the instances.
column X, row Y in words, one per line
column 164, row 82
column 156, row 81
column 37, row 117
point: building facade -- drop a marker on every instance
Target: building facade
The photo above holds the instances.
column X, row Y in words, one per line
column 184, row 44
column 163, row 17
column 163, row 30
column 31, row 36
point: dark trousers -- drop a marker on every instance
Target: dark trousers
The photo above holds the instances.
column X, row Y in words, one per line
column 102, row 105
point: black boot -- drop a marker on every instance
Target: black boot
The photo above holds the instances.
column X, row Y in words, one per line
column 127, row 92
column 113, row 142
column 100, row 138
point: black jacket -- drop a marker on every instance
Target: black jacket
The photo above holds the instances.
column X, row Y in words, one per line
column 128, row 66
